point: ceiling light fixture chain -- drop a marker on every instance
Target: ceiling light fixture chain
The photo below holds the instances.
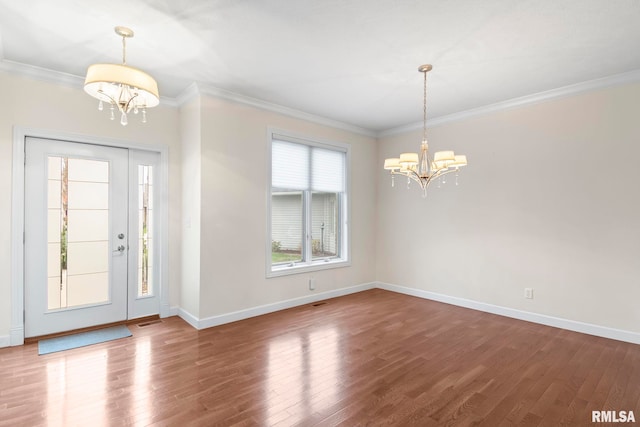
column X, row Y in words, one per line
column 122, row 86
column 421, row 168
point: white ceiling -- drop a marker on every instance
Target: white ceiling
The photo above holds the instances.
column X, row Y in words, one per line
column 354, row 61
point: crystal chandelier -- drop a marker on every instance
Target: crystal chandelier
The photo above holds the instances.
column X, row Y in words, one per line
column 122, row 86
column 422, row 168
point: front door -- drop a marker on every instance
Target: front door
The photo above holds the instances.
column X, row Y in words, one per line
column 76, row 235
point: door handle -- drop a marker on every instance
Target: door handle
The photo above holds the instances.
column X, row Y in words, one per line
column 119, row 249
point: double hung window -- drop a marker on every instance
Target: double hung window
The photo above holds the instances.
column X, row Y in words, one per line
column 308, row 206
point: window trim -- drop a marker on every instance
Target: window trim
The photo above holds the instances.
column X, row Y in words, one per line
column 344, row 260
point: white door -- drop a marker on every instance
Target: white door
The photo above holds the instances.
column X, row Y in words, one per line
column 76, row 235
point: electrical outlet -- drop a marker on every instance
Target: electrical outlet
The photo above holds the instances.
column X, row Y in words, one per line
column 312, row 284
column 528, row 293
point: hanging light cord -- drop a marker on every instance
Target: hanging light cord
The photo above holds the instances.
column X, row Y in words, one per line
column 424, row 109
column 124, row 50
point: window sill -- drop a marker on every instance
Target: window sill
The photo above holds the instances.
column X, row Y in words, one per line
column 287, row 269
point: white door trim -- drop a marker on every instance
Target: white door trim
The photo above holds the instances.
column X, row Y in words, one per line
column 17, row 217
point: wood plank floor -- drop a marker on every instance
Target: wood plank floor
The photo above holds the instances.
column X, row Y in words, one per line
column 372, row 358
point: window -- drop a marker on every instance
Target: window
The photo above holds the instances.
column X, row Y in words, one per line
column 307, row 207
column 145, row 231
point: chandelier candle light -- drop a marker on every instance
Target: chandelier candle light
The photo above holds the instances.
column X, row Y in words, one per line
column 122, row 86
column 422, row 168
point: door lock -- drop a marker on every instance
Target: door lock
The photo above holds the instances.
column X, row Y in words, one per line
column 121, row 236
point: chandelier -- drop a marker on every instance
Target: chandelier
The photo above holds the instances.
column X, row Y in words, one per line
column 122, row 86
column 422, row 168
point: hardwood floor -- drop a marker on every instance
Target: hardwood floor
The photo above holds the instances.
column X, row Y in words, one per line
column 372, row 358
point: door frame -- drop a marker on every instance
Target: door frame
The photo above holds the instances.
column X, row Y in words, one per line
column 17, row 217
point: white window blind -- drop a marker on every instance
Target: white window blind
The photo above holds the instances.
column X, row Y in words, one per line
column 327, row 170
column 303, row 167
column 289, row 166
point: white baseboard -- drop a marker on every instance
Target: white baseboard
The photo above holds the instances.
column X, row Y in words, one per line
column 234, row 316
column 572, row 325
column 174, row 311
column 167, row 311
column 189, row 318
column 16, row 335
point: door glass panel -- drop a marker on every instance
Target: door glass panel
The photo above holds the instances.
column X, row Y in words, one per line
column 88, row 257
column 145, row 230
column 86, row 289
column 55, row 295
column 83, row 170
column 88, row 195
column 78, row 230
column 88, row 225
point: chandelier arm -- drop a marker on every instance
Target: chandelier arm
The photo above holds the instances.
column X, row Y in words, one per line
column 416, row 177
column 126, row 107
column 423, row 181
column 113, row 101
column 413, row 175
column 441, row 173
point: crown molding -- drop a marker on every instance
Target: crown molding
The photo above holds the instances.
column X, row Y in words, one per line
column 188, row 94
column 56, row 77
column 195, row 89
column 562, row 92
column 205, row 89
column 42, row 74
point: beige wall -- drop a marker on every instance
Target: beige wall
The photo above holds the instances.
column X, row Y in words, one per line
column 44, row 106
column 234, row 202
column 218, row 193
column 190, row 132
column 550, row 201
column 555, row 217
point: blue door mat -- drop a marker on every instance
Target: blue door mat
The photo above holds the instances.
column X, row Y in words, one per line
column 82, row 339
